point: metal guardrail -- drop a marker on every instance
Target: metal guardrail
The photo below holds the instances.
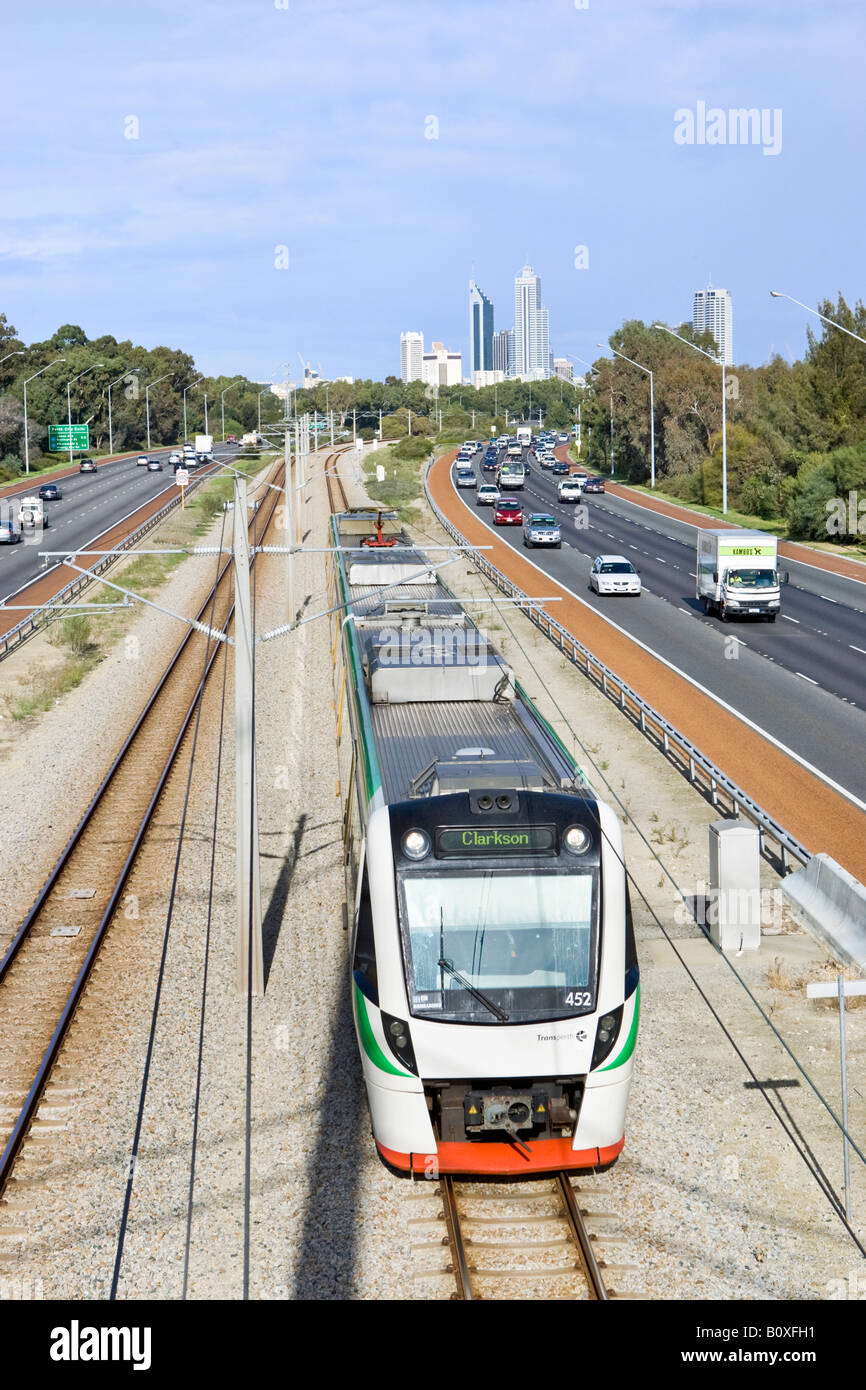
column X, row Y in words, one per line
column 28, row 627
column 709, row 779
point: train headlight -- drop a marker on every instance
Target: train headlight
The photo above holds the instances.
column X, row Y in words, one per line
column 577, row 839
column 399, row 1041
column 416, row 844
column 606, row 1035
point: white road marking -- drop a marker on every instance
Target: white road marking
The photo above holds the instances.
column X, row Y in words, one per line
column 789, row 619
column 806, row 678
column 660, row 560
column 856, row 649
column 828, row 600
column 723, row 704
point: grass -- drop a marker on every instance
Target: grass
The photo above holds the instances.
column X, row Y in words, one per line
column 402, row 485
column 45, row 685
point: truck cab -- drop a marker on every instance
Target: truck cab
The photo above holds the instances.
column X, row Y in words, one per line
column 737, row 574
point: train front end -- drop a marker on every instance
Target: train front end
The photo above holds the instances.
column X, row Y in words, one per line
column 495, row 983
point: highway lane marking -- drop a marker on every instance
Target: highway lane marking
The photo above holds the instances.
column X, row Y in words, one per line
column 828, row 600
column 660, row 560
column 723, row 704
column 789, row 619
column 856, row 649
column 806, row 678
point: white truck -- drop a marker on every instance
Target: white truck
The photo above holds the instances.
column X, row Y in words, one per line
column 204, row 446
column 737, row 574
column 248, row 441
column 524, row 435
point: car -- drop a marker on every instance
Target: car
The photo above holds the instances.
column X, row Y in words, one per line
column 507, row 512
column 466, row 477
column 488, row 495
column 546, row 460
column 50, row 492
column 581, row 475
column 614, row 574
column 570, row 490
column 142, row 461
column 231, row 439
column 594, row 485
column 175, row 460
column 560, row 468
column 9, row 532
column 490, row 465
column 563, row 438
column 540, row 528
column 154, row 465
column 87, row 466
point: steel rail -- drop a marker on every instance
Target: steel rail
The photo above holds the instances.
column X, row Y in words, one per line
column 591, row 1268
column 37, row 1088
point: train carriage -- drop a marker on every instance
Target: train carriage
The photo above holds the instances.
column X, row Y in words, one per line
column 494, row 973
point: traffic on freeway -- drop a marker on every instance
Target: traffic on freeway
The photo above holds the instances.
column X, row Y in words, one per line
column 800, row 679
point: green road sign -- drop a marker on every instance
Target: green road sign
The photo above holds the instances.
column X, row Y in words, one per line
column 58, row 438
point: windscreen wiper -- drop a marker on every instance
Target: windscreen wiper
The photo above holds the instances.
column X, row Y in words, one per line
column 476, row 993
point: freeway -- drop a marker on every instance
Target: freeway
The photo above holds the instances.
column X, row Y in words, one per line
column 800, row 680
column 91, row 504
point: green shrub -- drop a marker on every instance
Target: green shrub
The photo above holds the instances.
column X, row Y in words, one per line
column 74, row 632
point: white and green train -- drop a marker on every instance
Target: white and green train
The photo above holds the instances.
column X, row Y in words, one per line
column 494, row 972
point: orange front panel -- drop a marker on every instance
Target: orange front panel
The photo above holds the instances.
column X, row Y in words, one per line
column 502, row 1160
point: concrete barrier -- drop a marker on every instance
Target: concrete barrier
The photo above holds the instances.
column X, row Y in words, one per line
column 830, row 903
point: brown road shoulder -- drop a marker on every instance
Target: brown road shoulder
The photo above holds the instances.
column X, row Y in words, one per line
column 819, row 817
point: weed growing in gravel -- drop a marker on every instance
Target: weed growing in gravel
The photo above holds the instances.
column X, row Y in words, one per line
column 74, row 632
column 45, row 687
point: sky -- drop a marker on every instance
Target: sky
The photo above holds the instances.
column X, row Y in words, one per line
column 249, row 180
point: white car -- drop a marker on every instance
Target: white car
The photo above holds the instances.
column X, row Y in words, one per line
column 614, row 574
column 570, row 490
column 142, row 461
column 488, row 495
column 175, row 460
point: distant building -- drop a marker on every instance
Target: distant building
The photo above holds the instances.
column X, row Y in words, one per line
column 480, row 379
column 503, row 351
column 712, row 313
column 531, row 328
column 411, row 356
column 562, row 367
column 480, row 330
column 439, row 367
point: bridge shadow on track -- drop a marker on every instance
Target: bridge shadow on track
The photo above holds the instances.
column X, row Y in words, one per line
column 328, row 1247
column 273, row 918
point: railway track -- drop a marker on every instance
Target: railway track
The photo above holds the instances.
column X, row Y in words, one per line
column 46, row 968
column 336, row 492
column 515, row 1240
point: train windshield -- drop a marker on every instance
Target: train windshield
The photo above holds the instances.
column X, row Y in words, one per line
column 495, row 947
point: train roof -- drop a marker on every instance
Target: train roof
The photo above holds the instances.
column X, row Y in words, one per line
column 438, row 700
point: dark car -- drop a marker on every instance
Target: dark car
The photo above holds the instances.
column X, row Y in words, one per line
column 87, row 466
column 9, row 534
column 50, row 492
column 560, row 469
column 594, row 485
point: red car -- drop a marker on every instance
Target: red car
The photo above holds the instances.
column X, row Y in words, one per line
column 508, row 512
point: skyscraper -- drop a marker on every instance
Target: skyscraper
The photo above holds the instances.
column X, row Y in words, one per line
column 531, row 327
column 480, row 330
column 712, row 314
column 411, row 356
column 503, row 351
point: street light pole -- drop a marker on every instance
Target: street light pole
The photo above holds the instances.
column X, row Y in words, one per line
column 122, row 377
column 652, row 409
column 26, row 435
column 147, row 401
column 185, row 389
column 711, row 358
column 780, row 294
column 69, row 401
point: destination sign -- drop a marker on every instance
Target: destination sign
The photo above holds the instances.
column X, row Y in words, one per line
column 479, row 840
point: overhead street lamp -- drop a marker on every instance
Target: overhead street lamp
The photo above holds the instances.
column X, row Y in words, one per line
column 21, row 352
column 26, row 435
column 223, row 403
column 122, row 377
column 710, row 356
column 185, row 389
column 69, row 399
column 639, row 365
column 147, row 390
column 780, row 294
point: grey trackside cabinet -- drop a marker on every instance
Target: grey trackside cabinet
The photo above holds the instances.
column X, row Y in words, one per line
column 734, row 908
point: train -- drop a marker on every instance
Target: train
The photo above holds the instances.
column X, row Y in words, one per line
column 493, row 968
